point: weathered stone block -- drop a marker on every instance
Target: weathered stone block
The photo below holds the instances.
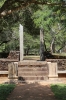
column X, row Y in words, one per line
column 52, row 70
column 13, row 70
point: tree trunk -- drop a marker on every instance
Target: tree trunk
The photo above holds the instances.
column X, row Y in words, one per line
column 52, row 46
column 42, row 57
column 26, row 51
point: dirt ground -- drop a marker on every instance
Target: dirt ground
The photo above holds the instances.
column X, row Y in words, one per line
column 31, row 91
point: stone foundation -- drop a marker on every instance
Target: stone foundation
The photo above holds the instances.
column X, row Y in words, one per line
column 61, row 63
column 4, row 63
column 13, row 55
column 33, row 70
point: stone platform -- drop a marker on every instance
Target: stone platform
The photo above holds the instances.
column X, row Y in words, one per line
column 33, row 71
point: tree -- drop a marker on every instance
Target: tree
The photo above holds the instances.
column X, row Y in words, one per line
column 46, row 16
column 58, row 29
column 11, row 25
column 43, row 20
column 51, row 20
column 31, row 43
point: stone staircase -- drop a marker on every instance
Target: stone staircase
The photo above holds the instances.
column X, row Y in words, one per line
column 32, row 71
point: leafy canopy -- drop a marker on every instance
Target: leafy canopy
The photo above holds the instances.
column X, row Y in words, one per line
column 9, row 6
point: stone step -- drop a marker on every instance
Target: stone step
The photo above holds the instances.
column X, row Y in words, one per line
column 33, row 78
column 3, row 72
column 32, row 68
column 34, row 63
column 31, row 81
column 32, row 71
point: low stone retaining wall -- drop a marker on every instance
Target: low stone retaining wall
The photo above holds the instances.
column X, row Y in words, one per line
column 33, row 70
column 61, row 67
column 4, row 64
column 13, row 55
column 61, row 63
column 36, row 71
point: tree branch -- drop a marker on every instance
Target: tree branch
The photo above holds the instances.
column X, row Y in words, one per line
column 4, row 42
column 62, row 47
column 10, row 7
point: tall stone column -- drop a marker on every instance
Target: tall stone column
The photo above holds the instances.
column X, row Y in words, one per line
column 42, row 58
column 21, row 41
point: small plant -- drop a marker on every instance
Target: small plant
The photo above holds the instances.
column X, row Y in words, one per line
column 59, row 91
column 5, row 90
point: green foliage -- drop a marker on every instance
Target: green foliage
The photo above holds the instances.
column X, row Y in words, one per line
column 33, row 18
column 43, row 17
column 26, row 20
column 5, row 90
column 59, row 91
column 2, row 2
column 52, row 19
column 31, row 43
column 10, row 29
column 13, row 44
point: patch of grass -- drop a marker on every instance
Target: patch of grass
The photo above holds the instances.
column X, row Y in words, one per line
column 59, row 91
column 60, row 54
column 5, row 90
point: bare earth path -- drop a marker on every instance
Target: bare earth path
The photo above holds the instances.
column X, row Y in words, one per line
column 32, row 91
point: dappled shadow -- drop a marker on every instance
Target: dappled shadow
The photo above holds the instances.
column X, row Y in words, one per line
column 32, row 91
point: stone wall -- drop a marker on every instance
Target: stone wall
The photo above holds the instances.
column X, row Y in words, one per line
column 60, row 62
column 4, row 64
column 13, row 55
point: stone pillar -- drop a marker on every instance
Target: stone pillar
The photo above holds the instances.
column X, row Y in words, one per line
column 21, row 42
column 52, row 70
column 13, row 71
column 42, row 58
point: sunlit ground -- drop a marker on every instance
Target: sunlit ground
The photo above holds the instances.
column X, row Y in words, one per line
column 31, row 57
column 34, row 57
column 60, row 54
